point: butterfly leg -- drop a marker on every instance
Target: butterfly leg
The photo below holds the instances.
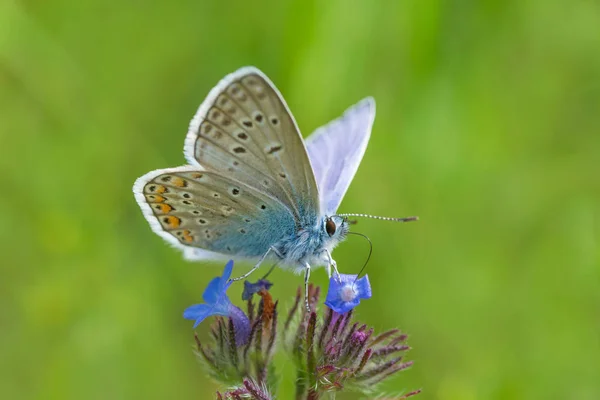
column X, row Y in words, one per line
column 306, row 278
column 331, row 263
column 247, row 274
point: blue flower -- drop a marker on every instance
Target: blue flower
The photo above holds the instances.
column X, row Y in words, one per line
column 251, row 288
column 345, row 292
column 217, row 303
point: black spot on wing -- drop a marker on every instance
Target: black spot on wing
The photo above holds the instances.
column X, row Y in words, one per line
column 274, row 149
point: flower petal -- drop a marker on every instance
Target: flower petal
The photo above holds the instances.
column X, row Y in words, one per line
column 227, row 273
column 345, row 279
column 335, row 285
column 363, row 288
column 218, row 285
column 241, row 323
column 213, row 291
column 197, row 312
column 345, row 292
column 340, row 306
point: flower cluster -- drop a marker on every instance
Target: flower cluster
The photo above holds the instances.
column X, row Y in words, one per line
column 243, row 343
column 331, row 353
column 336, row 353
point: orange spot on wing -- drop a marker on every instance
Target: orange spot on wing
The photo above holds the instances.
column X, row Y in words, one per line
column 154, row 198
column 164, row 208
column 171, row 221
column 177, row 181
column 160, row 189
column 187, row 237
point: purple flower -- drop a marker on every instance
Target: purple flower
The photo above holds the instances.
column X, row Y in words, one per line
column 217, row 303
column 345, row 292
column 247, row 370
column 252, row 288
column 337, row 353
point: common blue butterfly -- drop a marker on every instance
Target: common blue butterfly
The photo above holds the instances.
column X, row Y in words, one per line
column 253, row 189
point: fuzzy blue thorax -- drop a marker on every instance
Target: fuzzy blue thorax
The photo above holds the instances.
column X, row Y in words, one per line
column 308, row 244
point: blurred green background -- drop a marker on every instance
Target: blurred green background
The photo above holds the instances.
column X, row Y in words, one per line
column 488, row 128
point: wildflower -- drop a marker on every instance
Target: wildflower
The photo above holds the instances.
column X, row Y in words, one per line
column 252, row 288
column 331, row 353
column 218, row 303
column 336, row 354
column 246, row 366
column 345, row 292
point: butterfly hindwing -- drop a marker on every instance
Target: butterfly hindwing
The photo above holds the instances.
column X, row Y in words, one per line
column 335, row 152
column 194, row 208
column 245, row 130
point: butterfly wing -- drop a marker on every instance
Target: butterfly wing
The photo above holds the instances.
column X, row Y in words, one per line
column 244, row 129
column 249, row 183
column 209, row 215
column 336, row 149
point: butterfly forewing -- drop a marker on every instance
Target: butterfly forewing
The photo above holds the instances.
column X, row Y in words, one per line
column 245, row 131
column 336, row 149
column 208, row 210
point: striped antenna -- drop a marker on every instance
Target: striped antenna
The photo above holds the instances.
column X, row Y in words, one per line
column 407, row 219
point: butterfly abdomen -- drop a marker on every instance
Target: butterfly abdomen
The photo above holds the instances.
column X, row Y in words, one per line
column 256, row 237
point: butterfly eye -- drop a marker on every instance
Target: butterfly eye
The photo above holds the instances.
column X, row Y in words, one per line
column 330, row 226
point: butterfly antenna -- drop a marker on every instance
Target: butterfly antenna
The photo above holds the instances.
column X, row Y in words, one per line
column 370, row 252
column 406, row 219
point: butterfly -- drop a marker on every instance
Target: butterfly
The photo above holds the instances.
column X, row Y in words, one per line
column 253, row 188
